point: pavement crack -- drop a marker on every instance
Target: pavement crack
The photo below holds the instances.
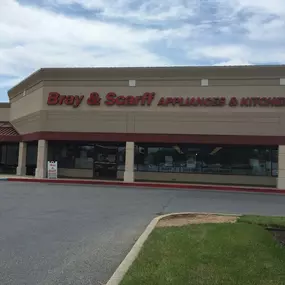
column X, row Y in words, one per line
column 166, row 205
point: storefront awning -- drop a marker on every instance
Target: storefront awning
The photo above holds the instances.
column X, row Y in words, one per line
column 8, row 133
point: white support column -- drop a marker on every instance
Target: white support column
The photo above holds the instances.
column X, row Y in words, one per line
column 281, row 167
column 41, row 159
column 129, row 162
column 21, row 169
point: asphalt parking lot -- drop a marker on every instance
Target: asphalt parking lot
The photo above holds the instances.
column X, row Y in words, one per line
column 72, row 234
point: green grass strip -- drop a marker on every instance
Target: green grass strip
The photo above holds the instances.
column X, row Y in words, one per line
column 210, row 254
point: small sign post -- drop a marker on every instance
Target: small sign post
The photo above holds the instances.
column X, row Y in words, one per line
column 52, row 169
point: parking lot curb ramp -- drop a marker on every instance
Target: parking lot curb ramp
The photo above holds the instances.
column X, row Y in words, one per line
column 150, row 185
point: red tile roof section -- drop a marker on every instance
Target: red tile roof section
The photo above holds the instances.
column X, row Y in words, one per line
column 7, row 130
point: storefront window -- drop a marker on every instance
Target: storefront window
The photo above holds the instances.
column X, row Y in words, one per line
column 9, row 157
column 31, row 160
column 70, row 155
column 121, row 154
column 274, row 163
column 139, row 155
column 211, row 159
column 63, row 153
column 84, row 156
column 9, row 154
column 3, row 149
column 32, row 150
column 176, row 158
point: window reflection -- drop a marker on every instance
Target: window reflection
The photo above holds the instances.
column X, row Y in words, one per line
column 84, row 156
column 211, row 159
column 9, row 157
column 274, row 163
column 72, row 155
column 176, row 158
column 121, row 158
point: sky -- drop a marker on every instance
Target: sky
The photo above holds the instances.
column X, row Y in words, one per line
column 98, row 33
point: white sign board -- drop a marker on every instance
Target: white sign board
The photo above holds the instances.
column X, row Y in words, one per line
column 52, row 169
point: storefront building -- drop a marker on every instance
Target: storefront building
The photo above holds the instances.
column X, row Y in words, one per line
column 220, row 125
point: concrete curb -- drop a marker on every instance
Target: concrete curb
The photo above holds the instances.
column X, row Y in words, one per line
column 152, row 185
column 122, row 269
column 120, row 272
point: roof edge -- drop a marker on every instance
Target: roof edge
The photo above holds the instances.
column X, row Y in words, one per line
column 25, row 82
column 5, row 105
column 208, row 72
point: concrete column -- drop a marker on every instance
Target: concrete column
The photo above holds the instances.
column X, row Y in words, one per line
column 21, row 169
column 41, row 159
column 129, row 162
column 281, row 167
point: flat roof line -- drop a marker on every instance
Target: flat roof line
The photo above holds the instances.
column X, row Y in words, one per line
column 77, row 73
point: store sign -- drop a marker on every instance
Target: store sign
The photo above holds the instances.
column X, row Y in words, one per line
column 52, row 169
column 146, row 99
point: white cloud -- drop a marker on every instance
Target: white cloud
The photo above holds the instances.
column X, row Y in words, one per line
column 268, row 6
column 32, row 38
column 218, row 32
column 232, row 62
column 223, row 51
column 261, row 29
column 153, row 10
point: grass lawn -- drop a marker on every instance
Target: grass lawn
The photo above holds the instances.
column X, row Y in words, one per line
column 211, row 254
column 263, row 221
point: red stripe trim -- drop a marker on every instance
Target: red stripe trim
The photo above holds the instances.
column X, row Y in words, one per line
column 153, row 185
column 10, row 138
column 167, row 138
column 11, row 135
column 8, row 133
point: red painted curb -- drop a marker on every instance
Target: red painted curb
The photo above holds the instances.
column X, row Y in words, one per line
column 152, row 185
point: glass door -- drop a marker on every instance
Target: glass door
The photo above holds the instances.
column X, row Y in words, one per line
column 105, row 162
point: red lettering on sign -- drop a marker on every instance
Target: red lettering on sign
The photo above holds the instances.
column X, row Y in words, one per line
column 94, row 99
column 222, row 101
column 69, row 100
column 110, row 98
column 113, row 99
column 161, row 102
column 192, row 101
column 233, row 102
column 55, row 98
column 121, row 100
column 245, row 102
column 262, row 102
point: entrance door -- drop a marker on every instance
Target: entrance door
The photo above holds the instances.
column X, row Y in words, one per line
column 105, row 162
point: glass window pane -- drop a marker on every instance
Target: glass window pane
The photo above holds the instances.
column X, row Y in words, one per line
column 63, row 153
column 12, row 154
column 84, row 156
column 274, row 163
column 3, row 153
column 121, row 158
column 210, row 159
column 32, row 152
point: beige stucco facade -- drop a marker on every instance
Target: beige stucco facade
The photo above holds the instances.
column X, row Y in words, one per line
column 5, row 112
column 29, row 112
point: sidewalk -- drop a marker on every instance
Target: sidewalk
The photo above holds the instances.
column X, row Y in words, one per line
column 253, row 189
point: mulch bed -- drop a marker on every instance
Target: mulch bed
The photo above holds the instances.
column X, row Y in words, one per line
column 278, row 234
